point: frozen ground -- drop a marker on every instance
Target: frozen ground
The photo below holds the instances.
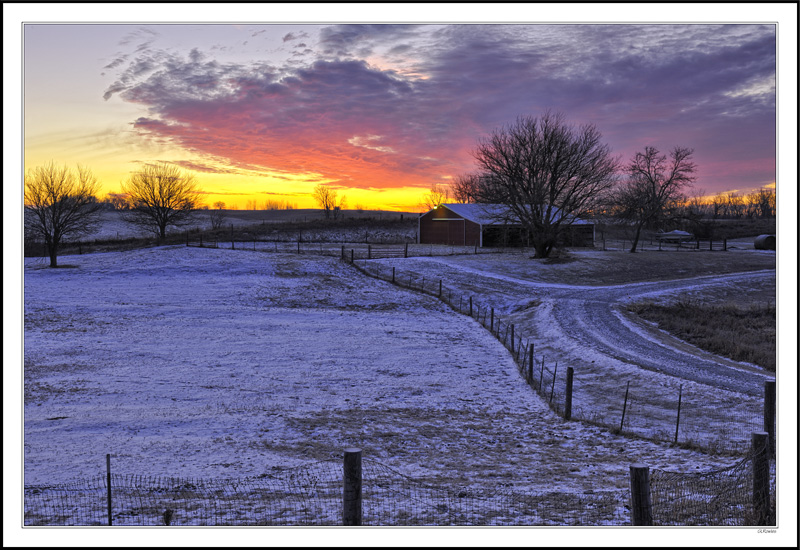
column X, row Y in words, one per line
column 573, row 309
column 218, row 363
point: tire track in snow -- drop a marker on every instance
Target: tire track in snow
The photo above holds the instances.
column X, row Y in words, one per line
column 591, row 317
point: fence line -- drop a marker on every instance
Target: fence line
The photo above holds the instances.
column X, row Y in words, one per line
column 673, row 419
column 366, row 492
column 315, row 494
column 664, row 418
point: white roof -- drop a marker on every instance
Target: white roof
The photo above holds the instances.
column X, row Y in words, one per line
column 489, row 214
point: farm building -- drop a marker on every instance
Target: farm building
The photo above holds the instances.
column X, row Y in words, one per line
column 487, row 225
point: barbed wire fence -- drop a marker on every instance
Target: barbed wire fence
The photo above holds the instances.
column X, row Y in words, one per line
column 683, row 418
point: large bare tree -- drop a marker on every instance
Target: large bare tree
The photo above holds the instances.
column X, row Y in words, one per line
column 546, row 171
column 60, row 203
column 160, row 195
column 655, row 185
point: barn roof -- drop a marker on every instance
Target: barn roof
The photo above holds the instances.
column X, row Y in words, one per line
column 489, row 214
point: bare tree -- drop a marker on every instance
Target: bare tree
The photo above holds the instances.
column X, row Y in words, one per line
column 437, row 195
column 761, row 203
column 547, row 172
column 654, row 186
column 465, row 188
column 736, row 206
column 116, row 201
column 160, row 195
column 217, row 215
column 328, row 200
column 339, row 208
column 59, row 204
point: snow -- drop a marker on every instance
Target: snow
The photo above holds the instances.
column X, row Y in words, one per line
column 192, row 362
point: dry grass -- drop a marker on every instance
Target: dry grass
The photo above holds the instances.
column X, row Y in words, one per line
column 742, row 333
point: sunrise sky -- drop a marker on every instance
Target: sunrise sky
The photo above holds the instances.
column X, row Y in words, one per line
column 383, row 111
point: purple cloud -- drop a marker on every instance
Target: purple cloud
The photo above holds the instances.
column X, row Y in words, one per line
column 706, row 87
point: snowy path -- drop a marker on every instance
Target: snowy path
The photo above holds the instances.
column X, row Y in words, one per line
column 593, row 317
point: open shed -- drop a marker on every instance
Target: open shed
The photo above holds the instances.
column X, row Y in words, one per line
column 486, row 225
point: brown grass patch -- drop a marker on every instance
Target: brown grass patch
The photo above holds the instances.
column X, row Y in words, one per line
column 741, row 333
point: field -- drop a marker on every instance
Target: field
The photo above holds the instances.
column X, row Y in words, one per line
column 208, row 362
column 220, row 363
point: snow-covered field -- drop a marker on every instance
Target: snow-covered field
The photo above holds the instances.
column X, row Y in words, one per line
column 112, row 225
column 207, row 363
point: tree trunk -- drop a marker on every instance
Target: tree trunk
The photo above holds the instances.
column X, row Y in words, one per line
column 542, row 248
column 636, row 238
column 52, row 251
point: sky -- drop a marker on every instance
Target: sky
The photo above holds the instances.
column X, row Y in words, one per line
column 381, row 111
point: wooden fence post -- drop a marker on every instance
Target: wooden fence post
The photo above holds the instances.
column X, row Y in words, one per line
column 624, row 406
column 108, row 485
column 491, row 325
column 530, row 366
column 541, row 375
column 405, row 253
column 568, row 396
column 351, row 494
column 369, row 251
column 641, row 506
column 440, row 289
column 769, row 414
column 553, row 385
column 512, row 338
column 678, row 421
column 343, row 252
column 470, row 306
column 352, row 254
column 725, row 244
column 760, row 451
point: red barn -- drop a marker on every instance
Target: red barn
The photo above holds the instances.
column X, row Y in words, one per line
column 486, row 225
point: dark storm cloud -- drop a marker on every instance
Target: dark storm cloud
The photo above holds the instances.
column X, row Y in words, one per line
column 658, row 85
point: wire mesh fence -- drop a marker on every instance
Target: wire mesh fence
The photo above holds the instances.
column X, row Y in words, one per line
column 312, row 495
column 722, row 497
column 307, row 496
